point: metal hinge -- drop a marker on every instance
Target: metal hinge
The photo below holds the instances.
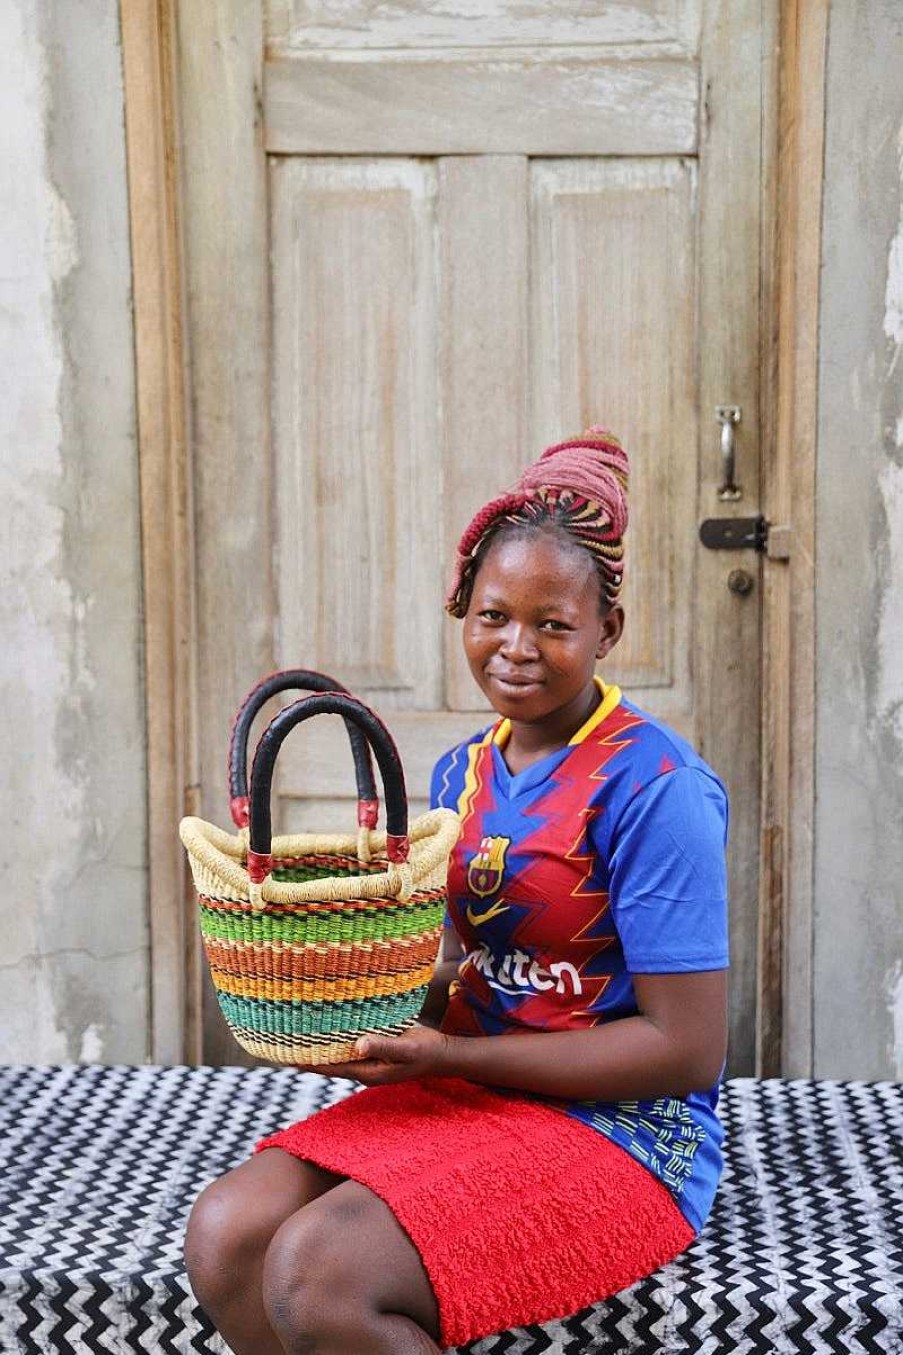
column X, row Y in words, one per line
column 746, row 534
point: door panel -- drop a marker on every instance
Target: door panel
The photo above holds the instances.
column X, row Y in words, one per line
column 393, row 104
column 354, row 286
column 361, row 316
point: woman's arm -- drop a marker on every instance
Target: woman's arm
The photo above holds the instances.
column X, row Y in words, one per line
column 675, row 1044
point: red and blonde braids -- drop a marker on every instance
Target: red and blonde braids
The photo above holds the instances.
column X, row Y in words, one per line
column 579, row 486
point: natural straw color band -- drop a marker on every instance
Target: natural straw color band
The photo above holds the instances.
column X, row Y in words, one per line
column 216, row 861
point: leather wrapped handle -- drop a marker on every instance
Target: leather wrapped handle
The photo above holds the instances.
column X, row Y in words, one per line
column 260, row 861
column 302, row 680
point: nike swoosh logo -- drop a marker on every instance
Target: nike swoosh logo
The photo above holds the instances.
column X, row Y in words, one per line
column 477, row 919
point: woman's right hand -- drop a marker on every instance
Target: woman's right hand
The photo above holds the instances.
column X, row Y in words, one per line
column 414, row 1053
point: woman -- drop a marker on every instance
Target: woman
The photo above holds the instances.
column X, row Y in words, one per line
column 485, row 1181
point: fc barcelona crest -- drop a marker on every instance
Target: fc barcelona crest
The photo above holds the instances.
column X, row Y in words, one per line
column 484, row 874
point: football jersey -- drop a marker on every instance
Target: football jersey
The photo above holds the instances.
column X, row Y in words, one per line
column 602, row 860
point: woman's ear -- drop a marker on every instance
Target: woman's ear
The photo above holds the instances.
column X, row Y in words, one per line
column 611, row 630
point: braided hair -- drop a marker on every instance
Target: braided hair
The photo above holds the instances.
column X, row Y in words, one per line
column 578, row 487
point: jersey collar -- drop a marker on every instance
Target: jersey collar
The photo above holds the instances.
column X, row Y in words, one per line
column 610, row 696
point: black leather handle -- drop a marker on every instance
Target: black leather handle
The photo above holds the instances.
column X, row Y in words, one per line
column 303, row 680
column 260, row 861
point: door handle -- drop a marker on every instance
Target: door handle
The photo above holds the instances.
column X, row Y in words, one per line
column 728, row 416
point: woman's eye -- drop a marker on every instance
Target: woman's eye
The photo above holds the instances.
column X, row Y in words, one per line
column 554, row 625
column 490, row 614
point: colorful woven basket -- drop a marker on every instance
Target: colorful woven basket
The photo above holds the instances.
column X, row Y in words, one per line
column 309, row 946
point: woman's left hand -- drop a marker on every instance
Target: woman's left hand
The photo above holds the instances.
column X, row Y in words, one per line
column 419, row 1052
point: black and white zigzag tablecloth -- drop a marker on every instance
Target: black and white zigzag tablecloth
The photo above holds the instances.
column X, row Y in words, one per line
column 803, row 1253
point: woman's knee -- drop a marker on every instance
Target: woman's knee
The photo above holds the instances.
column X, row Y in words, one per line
column 334, row 1268
column 312, row 1282
column 234, row 1219
column 218, row 1239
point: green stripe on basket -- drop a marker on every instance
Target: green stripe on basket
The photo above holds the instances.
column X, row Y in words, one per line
column 341, row 1019
column 300, row 874
column 359, row 925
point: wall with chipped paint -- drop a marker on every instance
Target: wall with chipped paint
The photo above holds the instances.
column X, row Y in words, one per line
column 858, row 998
column 72, row 907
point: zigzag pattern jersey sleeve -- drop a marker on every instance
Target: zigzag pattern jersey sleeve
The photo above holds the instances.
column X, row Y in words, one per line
column 445, row 789
column 447, row 778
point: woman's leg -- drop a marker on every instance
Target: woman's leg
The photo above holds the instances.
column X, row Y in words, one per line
column 231, row 1226
column 341, row 1277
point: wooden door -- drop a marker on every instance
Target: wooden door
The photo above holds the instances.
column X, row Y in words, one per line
column 421, row 244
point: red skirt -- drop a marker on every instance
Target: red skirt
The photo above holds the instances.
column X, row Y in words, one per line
column 519, row 1212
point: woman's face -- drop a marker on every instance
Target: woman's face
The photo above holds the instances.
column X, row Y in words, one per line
column 534, row 629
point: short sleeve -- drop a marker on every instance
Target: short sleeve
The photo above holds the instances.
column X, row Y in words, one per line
column 668, row 876
column 447, row 781
column 441, row 795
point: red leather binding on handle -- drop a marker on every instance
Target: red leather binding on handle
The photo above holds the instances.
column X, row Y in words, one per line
column 397, row 848
column 259, row 866
column 367, row 813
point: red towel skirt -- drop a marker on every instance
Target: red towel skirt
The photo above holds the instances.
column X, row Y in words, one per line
column 520, row 1213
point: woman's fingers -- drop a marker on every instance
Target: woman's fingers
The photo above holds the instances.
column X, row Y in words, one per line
column 389, row 1058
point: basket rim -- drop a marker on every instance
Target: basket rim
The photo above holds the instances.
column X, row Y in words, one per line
column 432, row 836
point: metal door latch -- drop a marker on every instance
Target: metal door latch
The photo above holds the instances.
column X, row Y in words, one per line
column 734, row 533
column 746, row 534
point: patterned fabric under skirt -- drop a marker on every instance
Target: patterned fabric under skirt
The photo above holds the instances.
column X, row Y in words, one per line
column 802, row 1254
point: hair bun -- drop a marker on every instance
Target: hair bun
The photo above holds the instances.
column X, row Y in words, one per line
column 593, row 465
column 579, row 485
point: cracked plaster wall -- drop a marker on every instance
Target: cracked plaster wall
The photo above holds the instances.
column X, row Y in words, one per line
column 73, row 973
column 858, row 999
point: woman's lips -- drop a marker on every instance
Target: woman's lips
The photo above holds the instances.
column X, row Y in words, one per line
column 514, row 681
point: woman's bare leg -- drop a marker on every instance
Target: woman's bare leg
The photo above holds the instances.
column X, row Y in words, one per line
column 341, row 1277
column 231, row 1226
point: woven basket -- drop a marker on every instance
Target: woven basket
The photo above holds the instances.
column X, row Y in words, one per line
column 309, row 946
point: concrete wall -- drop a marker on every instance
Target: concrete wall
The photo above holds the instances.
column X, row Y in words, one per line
column 858, row 1013
column 72, row 801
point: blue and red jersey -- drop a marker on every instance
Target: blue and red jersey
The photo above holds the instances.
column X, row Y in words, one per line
column 603, row 860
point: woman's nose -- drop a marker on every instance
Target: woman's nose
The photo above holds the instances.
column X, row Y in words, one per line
column 518, row 642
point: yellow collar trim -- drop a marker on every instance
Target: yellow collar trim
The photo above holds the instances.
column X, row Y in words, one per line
column 611, row 696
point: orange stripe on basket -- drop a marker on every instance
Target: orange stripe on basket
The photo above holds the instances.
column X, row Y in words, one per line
column 320, row 990
column 285, row 961
column 335, row 861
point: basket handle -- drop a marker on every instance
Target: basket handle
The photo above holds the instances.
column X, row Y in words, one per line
column 260, row 860
column 305, row 680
